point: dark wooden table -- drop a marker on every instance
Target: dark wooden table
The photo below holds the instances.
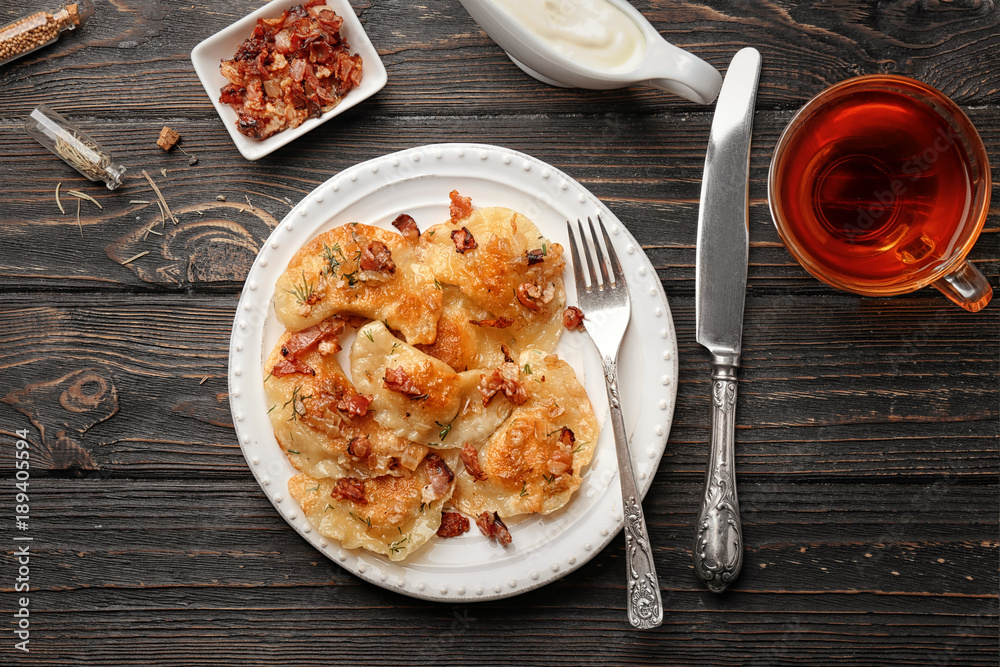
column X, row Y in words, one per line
column 867, row 442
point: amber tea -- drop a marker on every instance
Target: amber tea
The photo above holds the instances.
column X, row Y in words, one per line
column 878, row 188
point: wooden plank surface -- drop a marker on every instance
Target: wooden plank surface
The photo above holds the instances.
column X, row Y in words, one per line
column 868, row 433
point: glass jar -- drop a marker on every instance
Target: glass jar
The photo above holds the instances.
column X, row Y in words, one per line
column 36, row 30
column 73, row 146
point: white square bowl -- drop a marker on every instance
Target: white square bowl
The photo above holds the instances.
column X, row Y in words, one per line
column 210, row 53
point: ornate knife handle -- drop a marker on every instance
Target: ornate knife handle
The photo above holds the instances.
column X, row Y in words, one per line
column 718, row 544
column 645, row 608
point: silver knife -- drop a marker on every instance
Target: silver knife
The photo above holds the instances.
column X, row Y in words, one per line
column 720, row 287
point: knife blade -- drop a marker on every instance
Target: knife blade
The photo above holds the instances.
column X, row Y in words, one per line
column 720, row 288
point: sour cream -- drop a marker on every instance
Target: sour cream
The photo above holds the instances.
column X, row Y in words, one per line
column 593, row 33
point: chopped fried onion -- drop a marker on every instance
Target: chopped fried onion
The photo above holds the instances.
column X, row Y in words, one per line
column 359, row 446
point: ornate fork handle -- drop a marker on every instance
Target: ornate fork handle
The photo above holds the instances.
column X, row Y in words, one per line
column 645, row 609
column 718, row 545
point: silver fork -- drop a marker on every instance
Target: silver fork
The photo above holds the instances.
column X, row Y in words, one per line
column 606, row 309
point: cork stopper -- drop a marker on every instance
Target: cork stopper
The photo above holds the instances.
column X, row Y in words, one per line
column 68, row 18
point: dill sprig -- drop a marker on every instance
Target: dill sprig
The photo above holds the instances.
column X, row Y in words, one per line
column 295, row 401
column 397, row 546
column 445, row 430
column 303, row 292
column 334, row 258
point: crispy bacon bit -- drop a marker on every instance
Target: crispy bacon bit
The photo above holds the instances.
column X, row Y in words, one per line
column 463, row 240
column 349, row 488
column 232, row 94
column 441, row 478
column 407, row 226
column 573, row 318
column 494, row 528
column 498, row 322
column 506, row 378
column 290, row 367
column 524, row 291
column 470, row 457
column 461, row 207
column 359, row 447
column 291, row 68
column 453, row 524
column 302, row 341
column 530, row 294
column 536, row 256
column 376, row 257
column 355, row 405
column 396, row 379
column 561, row 460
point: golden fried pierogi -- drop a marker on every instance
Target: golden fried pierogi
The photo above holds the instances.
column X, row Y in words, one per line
column 418, row 397
column 452, row 396
column 359, row 270
column 469, row 337
column 533, row 462
column 389, row 515
column 500, row 260
column 323, row 424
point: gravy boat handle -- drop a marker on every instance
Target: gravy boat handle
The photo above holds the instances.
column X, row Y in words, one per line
column 675, row 70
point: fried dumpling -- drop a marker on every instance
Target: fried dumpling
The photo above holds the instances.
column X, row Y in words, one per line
column 533, row 462
column 360, row 270
column 418, row 397
column 469, row 337
column 323, row 424
column 499, row 259
column 389, row 515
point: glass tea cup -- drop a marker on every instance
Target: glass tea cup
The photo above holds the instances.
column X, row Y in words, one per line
column 880, row 185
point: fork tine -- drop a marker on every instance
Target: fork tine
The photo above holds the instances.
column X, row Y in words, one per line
column 616, row 267
column 581, row 284
column 590, row 262
column 600, row 255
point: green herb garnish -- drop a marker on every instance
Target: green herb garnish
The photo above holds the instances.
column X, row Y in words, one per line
column 303, row 291
column 445, row 430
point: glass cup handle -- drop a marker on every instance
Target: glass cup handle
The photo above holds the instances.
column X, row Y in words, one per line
column 967, row 287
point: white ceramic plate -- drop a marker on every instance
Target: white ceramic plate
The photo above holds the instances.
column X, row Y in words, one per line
column 208, row 55
column 417, row 181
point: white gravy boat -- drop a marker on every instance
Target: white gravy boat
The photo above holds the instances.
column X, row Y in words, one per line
column 570, row 59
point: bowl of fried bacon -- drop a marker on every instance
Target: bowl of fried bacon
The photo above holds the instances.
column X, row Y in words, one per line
column 285, row 69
